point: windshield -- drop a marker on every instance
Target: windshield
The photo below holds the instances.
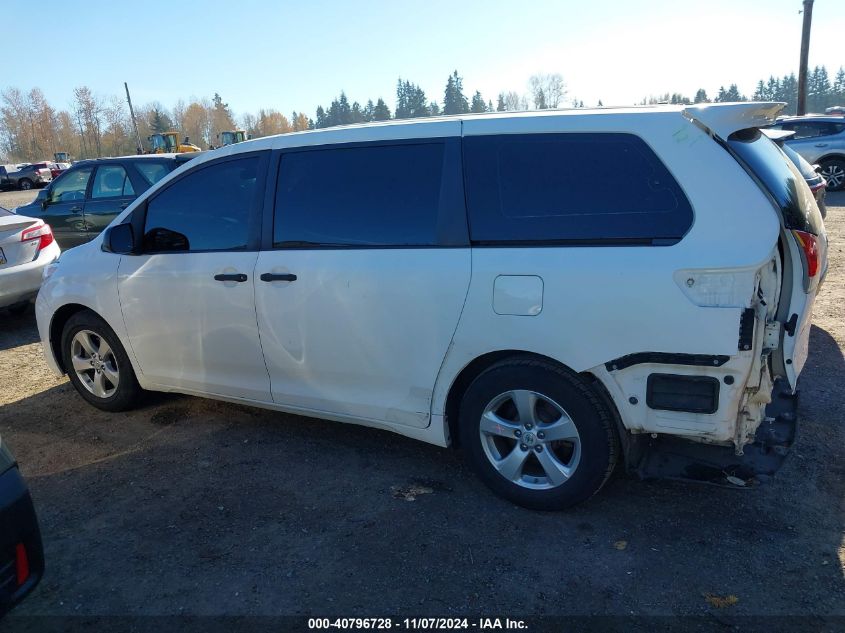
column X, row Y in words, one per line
column 5, row 212
column 780, row 178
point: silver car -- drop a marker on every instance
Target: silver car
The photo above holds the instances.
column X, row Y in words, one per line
column 819, row 140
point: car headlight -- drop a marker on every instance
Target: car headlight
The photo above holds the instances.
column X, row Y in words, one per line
column 49, row 269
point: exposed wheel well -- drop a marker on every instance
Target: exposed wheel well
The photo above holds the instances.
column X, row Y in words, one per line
column 840, row 157
column 57, row 325
column 480, row 364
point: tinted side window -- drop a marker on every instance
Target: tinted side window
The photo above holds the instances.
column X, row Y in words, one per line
column 812, row 129
column 208, row 209
column 375, row 195
column 71, row 185
column 152, row 171
column 111, row 181
column 555, row 187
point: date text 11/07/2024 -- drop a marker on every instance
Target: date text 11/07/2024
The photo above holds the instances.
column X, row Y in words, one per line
column 428, row 624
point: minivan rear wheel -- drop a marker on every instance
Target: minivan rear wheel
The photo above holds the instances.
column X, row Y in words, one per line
column 537, row 434
column 97, row 364
column 25, row 184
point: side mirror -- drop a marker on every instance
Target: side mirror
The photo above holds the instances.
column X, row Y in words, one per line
column 119, row 239
column 43, row 197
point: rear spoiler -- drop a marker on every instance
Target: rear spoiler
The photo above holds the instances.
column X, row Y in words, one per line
column 723, row 119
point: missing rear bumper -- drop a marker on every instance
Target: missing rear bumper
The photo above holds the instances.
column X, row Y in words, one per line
column 667, row 457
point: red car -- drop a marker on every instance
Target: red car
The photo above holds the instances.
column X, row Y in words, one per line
column 58, row 168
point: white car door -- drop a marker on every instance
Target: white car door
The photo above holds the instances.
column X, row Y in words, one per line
column 188, row 299
column 361, row 289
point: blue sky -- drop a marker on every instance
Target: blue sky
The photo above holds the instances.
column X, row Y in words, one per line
column 296, row 55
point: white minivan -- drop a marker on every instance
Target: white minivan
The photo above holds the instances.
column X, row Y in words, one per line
column 554, row 292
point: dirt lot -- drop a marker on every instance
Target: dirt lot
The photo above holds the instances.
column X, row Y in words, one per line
column 190, row 506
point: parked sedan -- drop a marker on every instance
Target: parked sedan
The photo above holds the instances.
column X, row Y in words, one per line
column 21, row 552
column 26, row 247
column 29, row 176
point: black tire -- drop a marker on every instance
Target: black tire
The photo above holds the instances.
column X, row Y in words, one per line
column 127, row 393
column 25, row 184
column 834, row 170
column 599, row 442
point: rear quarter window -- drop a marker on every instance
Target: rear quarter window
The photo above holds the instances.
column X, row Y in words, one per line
column 153, row 171
column 571, row 187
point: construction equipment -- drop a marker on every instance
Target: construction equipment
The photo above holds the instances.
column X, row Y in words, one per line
column 230, row 137
column 61, row 157
column 168, row 142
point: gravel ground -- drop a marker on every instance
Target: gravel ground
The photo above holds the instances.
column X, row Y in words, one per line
column 189, row 506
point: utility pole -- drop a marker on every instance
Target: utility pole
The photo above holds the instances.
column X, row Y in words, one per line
column 138, row 147
column 805, row 53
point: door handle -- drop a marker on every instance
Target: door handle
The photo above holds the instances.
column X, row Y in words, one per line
column 821, row 144
column 239, row 277
column 277, row 277
column 125, row 204
column 75, row 209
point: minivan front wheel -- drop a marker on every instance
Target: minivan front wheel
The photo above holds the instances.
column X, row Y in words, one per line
column 97, row 364
column 537, row 434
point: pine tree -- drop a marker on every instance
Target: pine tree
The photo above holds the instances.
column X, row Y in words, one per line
column 701, row 96
column 322, row 119
column 381, row 112
column 357, row 114
column 839, row 86
column 500, row 105
column 159, row 121
column 434, row 108
column 454, row 101
column 478, row 104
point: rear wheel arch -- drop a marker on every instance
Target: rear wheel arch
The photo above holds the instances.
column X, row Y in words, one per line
column 828, row 157
column 479, row 365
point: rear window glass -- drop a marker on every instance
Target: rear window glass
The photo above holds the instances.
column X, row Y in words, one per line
column 571, row 187
column 153, row 171
column 779, row 177
column 803, row 166
column 379, row 195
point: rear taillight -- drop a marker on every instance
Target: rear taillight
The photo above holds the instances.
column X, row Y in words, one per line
column 43, row 233
column 809, row 244
column 21, row 564
column 816, row 187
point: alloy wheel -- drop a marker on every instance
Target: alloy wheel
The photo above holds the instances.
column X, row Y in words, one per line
column 530, row 439
column 834, row 175
column 94, row 363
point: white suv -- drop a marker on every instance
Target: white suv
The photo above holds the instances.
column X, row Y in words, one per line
column 478, row 281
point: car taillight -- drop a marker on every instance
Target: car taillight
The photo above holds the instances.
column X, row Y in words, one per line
column 21, row 564
column 43, row 233
column 809, row 244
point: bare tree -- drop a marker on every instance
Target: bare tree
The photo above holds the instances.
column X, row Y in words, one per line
column 513, row 101
column 547, row 91
column 88, row 110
